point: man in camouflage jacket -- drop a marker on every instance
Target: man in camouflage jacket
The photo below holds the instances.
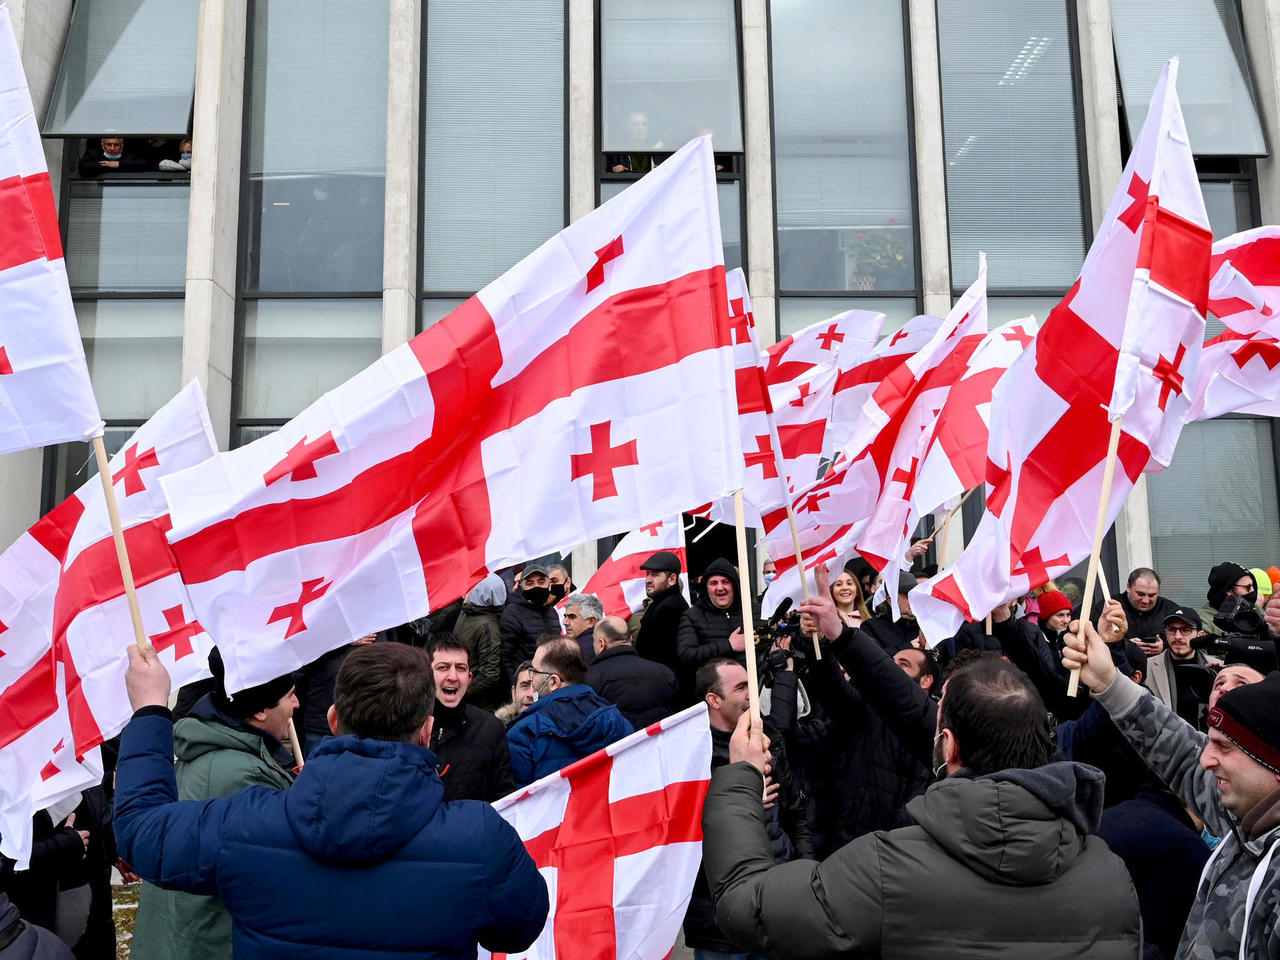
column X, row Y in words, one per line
column 1230, row 778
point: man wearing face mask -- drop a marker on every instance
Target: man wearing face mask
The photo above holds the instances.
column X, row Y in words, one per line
column 997, row 847
column 529, row 614
column 109, row 156
column 567, row 719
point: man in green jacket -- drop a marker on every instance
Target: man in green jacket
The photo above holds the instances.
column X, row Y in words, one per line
column 228, row 742
column 1001, row 860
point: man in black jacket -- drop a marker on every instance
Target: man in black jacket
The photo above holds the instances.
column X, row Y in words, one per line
column 642, row 690
column 470, row 744
column 660, row 619
column 529, row 614
column 1144, row 608
column 712, row 627
column 723, row 685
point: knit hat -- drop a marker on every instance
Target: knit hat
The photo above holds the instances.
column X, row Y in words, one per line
column 906, row 582
column 1249, row 717
column 1263, row 580
column 1222, row 578
column 247, row 702
column 1053, row 601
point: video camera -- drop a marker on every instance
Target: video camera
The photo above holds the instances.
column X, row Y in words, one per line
column 1244, row 637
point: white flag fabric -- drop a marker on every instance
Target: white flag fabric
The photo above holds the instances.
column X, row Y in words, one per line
column 1238, row 374
column 65, row 624
column 570, row 399
column 619, row 581
column 618, row 838
column 1125, row 342
column 1244, row 289
column 45, row 394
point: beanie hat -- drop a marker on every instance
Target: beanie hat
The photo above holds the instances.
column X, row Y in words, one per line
column 1051, row 602
column 247, row 702
column 1263, row 580
column 1221, row 579
column 1273, row 573
column 1249, row 717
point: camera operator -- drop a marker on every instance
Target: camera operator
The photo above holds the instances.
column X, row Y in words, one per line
column 1230, row 581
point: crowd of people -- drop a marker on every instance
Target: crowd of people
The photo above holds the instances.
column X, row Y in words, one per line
column 108, row 155
column 900, row 797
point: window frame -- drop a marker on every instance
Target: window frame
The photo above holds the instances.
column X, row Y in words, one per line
column 915, row 294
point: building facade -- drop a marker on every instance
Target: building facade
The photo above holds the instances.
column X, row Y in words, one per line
column 360, row 167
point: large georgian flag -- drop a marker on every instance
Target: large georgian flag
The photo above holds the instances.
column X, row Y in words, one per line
column 1125, row 341
column 586, row 391
column 45, row 394
column 65, row 623
column 619, row 581
column 618, row 838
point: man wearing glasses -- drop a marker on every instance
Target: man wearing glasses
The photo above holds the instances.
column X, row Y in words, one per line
column 567, row 719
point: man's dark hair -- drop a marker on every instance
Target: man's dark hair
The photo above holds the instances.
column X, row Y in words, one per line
column 707, row 679
column 966, row 658
column 526, row 665
column 384, row 691
column 998, row 718
column 1142, row 573
column 611, row 633
column 564, row 657
column 930, row 668
column 444, row 640
column 1136, row 658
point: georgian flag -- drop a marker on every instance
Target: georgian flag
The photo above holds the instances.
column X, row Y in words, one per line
column 586, row 391
column 1244, row 286
column 1125, row 341
column 1238, row 374
column 618, row 838
column 45, row 394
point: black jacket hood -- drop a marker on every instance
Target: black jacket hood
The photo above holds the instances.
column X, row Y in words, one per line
column 721, row 568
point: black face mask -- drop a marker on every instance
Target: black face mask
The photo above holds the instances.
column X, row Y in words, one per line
column 557, row 591
column 537, row 596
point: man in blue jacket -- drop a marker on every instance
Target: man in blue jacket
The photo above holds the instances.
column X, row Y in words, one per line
column 360, row 858
column 567, row 719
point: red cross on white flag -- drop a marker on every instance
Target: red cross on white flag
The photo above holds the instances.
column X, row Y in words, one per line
column 1238, row 374
column 562, row 403
column 619, row 581
column 1124, row 342
column 62, row 597
column 618, row 838
column 45, row 394
column 1244, row 289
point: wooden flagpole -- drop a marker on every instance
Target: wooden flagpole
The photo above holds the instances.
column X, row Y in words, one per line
column 748, row 618
column 117, row 534
column 1099, row 529
column 804, row 579
column 946, row 526
column 1102, row 582
column 293, row 743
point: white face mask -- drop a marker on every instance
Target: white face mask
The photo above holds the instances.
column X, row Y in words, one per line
column 768, row 578
column 537, row 691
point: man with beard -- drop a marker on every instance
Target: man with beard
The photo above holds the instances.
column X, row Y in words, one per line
column 528, row 615
column 1144, row 608
column 712, row 627
column 894, row 635
column 659, row 620
column 470, row 744
column 1180, row 662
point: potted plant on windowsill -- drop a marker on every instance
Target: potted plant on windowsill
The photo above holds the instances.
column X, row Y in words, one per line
column 876, row 258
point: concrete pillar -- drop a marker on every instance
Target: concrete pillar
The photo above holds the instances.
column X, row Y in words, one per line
column 41, row 29
column 400, row 252
column 1262, row 42
column 931, row 163
column 582, row 129
column 208, row 334
column 1098, row 100
column 758, row 143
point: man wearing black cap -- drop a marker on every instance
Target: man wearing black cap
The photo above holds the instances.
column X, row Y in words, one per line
column 226, row 743
column 664, row 602
column 528, row 615
column 1230, row 778
column 1180, row 675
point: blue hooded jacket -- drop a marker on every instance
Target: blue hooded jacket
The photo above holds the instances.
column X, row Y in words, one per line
column 561, row 727
column 360, row 858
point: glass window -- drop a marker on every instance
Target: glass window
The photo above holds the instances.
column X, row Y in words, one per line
column 1229, row 206
column 317, row 146
column 841, row 146
column 1010, row 135
column 796, row 313
column 1216, row 501
column 669, row 72
column 129, row 67
column 494, row 170
column 295, row 350
column 127, row 237
column 74, row 464
column 729, row 200
column 134, row 350
column 1001, row 310
column 432, row 311
column 1213, row 76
